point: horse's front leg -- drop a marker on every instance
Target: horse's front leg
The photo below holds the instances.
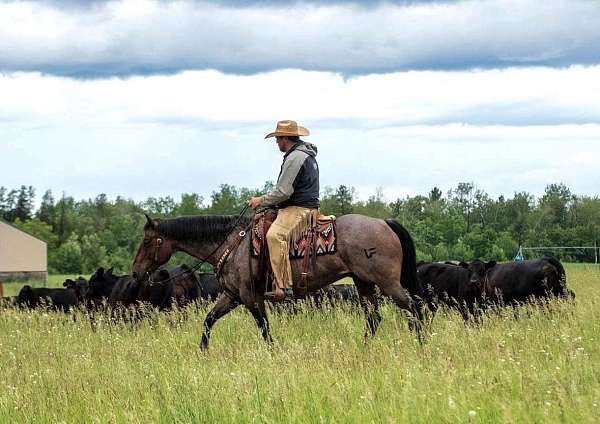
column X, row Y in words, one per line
column 225, row 304
column 258, row 311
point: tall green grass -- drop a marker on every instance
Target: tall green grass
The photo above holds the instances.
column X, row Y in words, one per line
column 533, row 365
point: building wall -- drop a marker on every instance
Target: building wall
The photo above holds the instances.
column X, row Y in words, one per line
column 20, row 252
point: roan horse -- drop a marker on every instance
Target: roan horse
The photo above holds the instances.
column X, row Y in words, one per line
column 374, row 252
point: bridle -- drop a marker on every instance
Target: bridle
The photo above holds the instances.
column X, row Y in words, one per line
column 159, row 242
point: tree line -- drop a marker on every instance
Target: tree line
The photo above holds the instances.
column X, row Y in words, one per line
column 463, row 224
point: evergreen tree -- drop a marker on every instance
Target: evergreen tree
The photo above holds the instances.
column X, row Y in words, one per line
column 435, row 194
column 23, row 209
column 10, row 203
column 47, row 210
column 343, row 200
column 2, row 201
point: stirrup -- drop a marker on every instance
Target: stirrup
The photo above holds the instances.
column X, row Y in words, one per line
column 273, row 296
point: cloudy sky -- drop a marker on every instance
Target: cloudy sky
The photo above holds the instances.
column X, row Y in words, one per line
column 153, row 98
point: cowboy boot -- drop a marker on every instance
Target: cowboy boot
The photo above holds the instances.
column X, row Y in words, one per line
column 279, row 294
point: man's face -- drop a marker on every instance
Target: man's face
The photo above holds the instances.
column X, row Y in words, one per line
column 281, row 143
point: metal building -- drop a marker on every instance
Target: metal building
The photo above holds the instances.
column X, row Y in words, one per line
column 22, row 256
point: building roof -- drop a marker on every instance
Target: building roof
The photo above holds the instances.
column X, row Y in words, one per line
column 23, row 231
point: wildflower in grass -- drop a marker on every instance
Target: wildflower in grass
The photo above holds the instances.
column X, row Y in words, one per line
column 472, row 413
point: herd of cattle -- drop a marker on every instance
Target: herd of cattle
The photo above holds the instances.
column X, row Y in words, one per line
column 176, row 286
column 464, row 286
column 469, row 287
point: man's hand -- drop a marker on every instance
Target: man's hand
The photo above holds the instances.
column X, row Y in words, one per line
column 254, row 202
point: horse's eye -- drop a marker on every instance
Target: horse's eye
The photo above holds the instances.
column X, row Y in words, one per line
column 146, row 242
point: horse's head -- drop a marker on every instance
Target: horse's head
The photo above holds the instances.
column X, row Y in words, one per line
column 153, row 252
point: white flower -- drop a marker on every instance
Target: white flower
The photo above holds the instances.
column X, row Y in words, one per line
column 472, row 413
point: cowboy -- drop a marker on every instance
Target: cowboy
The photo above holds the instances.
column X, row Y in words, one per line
column 296, row 196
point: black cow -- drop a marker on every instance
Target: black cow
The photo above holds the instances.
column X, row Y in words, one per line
column 179, row 284
column 335, row 293
column 210, row 287
column 516, row 282
column 60, row 299
column 115, row 290
column 187, row 286
column 459, row 286
column 79, row 286
column 182, row 285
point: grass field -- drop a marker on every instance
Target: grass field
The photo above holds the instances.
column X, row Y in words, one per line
column 540, row 366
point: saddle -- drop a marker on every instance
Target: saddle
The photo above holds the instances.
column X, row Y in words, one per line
column 318, row 240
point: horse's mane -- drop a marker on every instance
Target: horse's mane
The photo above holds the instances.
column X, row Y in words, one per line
column 210, row 228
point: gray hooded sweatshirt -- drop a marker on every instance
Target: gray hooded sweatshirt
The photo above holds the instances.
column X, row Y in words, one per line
column 298, row 181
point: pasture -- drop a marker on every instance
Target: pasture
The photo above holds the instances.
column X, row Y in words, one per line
column 532, row 365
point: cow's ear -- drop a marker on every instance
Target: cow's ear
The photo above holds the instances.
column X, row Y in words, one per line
column 464, row 265
column 490, row 264
column 68, row 282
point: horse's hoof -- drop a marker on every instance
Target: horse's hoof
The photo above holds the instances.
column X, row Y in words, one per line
column 203, row 345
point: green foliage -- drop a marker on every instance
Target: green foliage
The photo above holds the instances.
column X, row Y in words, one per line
column 466, row 224
column 38, row 229
column 17, row 204
column 69, row 257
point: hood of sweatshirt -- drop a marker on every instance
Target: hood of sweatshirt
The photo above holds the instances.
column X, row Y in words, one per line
column 308, row 148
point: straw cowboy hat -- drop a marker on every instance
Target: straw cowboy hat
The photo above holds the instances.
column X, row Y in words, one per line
column 288, row 128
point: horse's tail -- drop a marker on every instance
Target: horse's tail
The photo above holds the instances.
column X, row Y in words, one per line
column 408, row 276
column 560, row 286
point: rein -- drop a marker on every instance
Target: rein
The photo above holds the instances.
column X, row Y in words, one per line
column 203, row 260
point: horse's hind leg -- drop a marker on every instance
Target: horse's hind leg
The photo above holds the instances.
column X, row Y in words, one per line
column 225, row 304
column 260, row 316
column 370, row 304
column 402, row 299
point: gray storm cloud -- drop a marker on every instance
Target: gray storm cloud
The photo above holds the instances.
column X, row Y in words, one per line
column 149, row 37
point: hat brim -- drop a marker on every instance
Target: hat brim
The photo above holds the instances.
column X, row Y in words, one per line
column 301, row 132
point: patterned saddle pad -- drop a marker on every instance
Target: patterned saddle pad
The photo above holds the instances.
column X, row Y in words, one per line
column 325, row 240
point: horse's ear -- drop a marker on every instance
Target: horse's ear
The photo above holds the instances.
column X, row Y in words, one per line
column 464, row 265
column 149, row 220
column 100, row 272
column 110, row 271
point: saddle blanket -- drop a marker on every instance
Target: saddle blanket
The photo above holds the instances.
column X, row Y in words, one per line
column 325, row 241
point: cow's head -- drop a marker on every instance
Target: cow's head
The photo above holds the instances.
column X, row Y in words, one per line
column 80, row 286
column 98, row 284
column 478, row 277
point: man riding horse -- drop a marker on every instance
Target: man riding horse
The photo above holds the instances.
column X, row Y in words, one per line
column 379, row 255
column 296, row 197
